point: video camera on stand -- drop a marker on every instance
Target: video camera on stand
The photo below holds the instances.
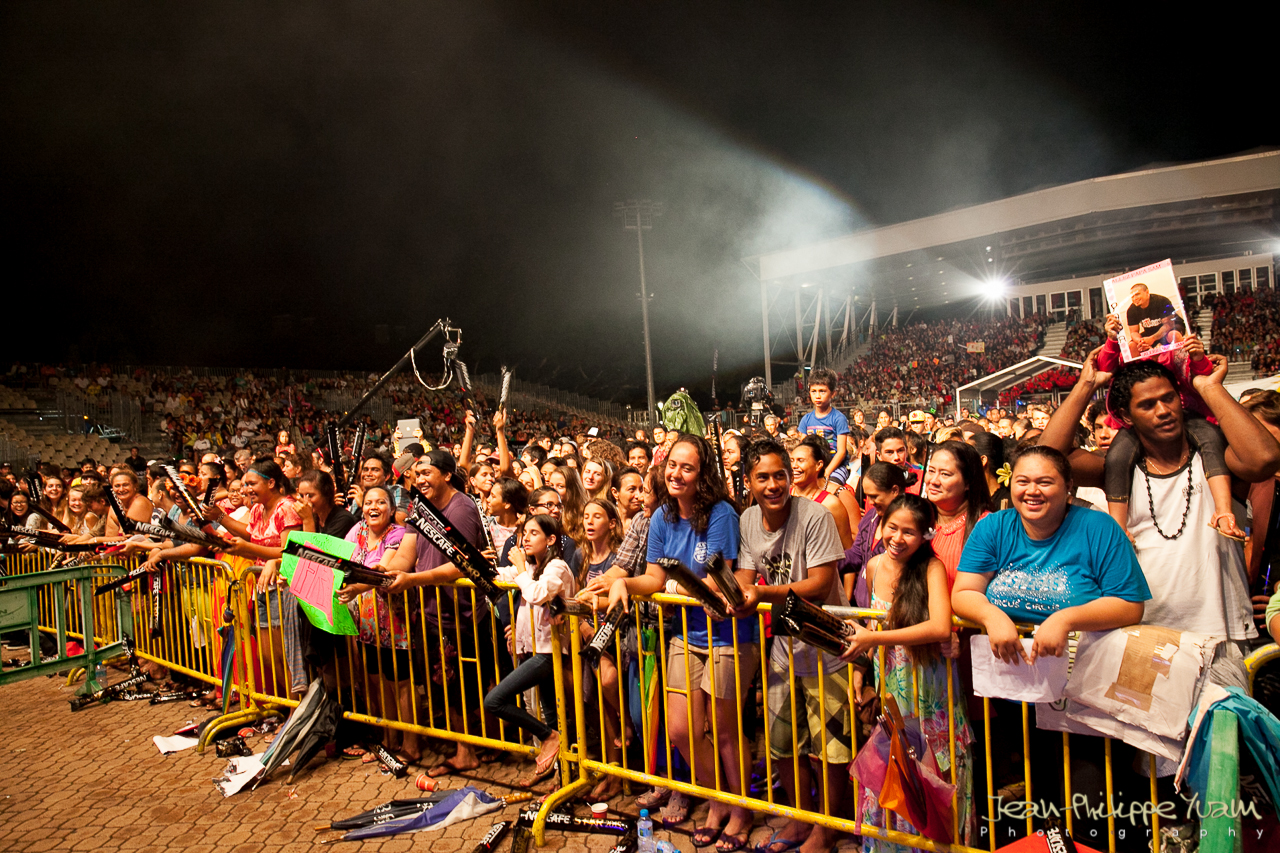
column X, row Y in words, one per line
column 757, row 399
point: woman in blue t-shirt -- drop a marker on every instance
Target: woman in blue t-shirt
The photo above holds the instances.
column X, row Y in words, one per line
column 1047, row 562
column 693, row 524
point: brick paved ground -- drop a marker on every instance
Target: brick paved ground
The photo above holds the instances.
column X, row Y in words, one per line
column 94, row 781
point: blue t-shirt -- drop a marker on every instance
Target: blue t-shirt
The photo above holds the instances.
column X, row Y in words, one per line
column 676, row 538
column 1088, row 558
column 832, row 426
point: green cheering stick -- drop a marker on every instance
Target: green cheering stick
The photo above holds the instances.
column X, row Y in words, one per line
column 439, row 530
column 352, row 571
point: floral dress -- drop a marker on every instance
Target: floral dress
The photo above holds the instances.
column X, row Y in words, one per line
column 931, row 684
column 382, row 619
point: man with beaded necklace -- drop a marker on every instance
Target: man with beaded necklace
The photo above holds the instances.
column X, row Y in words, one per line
column 1197, row 575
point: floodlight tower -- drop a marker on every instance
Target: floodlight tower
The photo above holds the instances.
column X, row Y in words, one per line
column 638, row 215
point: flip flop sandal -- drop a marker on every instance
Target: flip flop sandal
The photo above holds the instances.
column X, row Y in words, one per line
column 352, row 753
column 534, row 778
column 676, row 811
column 770, row 846
column 732, row 844
column 447, row 768
column 369, row 758
column 604, row 798
column 705, row 836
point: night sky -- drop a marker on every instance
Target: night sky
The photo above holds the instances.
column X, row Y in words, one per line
column 268, row 184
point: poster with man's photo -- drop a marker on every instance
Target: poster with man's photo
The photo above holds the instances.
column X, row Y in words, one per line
column 1152, row 319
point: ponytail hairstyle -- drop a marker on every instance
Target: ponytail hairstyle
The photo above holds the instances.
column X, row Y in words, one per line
column 551, row 527
column 911, row 597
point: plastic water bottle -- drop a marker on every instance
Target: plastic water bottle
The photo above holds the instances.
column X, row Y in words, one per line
column 100, row 674
column 644, row 833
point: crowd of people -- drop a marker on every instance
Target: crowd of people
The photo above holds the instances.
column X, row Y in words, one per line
column 927, row 360
column 223, row 414
column 1113, row 509
column 1246, row 327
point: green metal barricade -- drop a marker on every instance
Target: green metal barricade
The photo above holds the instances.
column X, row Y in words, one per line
column 68, row 611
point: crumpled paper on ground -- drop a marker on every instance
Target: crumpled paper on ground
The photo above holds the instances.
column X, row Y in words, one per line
column 240, row 771
column 173, row 743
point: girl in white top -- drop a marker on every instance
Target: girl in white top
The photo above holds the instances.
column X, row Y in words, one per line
column 542, row 577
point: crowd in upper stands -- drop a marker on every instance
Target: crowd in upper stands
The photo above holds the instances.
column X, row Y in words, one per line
column 1246, row 327
column 928, row 360
column 199, row 414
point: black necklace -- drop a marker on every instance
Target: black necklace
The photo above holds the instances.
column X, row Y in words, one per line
column 1151, row 502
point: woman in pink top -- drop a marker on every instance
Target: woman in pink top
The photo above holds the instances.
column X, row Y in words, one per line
column 955, row 484
column 261, row 538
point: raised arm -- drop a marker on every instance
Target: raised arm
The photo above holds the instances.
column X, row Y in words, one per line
column 504, row 450
column 1252, row 453
column 468, row 438
column 1086, row 468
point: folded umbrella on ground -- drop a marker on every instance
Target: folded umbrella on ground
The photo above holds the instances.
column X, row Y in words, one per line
column 463, row 804
column 404, row 807
column 294, row 729
column 322, row 731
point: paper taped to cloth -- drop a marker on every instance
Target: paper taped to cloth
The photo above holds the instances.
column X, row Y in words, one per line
column 1144, row 675
column 1042, row 681
column 316, row 586
column 1166, row 748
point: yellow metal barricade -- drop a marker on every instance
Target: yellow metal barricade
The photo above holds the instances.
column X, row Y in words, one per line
column 1007, row 750
column 421, row 665
column 177, row 623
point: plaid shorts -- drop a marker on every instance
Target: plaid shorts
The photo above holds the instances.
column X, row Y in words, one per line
column 826, row 717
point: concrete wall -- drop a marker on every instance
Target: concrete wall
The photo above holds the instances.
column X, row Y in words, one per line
column 1196, row 279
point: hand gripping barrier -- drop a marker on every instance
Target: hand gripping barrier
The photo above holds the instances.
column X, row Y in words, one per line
column 1001, row 754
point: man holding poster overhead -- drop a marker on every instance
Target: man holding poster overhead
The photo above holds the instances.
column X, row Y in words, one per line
column 1152, row 319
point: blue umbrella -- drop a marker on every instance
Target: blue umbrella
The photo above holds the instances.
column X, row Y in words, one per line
column 482, row 803
column 228, row 634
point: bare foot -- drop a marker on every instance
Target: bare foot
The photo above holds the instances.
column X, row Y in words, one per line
column 606, row 789
column 738, row 828
column 820, row 840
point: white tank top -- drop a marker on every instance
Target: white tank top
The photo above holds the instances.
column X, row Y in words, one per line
column 1198, row 580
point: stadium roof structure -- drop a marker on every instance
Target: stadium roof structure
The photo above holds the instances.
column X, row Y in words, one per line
column 1192, row 211
column 1010, row 376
